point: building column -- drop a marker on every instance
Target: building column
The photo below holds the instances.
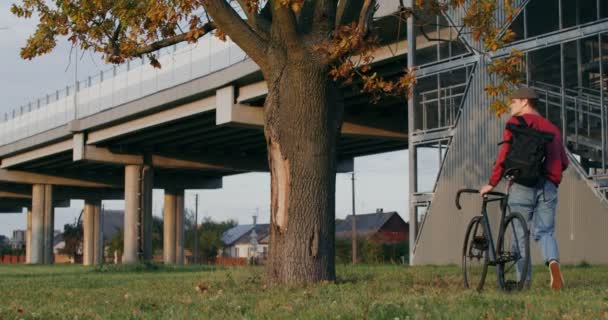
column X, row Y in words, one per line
column 173, row 227
column 138, row 214
column 28, row 236
column 90, row 232
column 42, row 226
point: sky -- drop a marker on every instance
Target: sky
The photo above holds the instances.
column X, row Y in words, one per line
column 381, row 180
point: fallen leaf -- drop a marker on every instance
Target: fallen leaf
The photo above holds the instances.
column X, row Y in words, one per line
column 201, row 289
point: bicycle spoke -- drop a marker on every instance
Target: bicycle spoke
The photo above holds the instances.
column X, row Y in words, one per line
column 513, row 253
column 475, row 252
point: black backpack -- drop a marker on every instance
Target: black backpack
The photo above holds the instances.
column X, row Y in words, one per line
column 525, row 160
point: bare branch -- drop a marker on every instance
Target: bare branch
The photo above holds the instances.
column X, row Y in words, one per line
column 206, row 28
column 366, row 16
column 114, row 40
column 340, row 12
column 239, row 31
column 259, row 24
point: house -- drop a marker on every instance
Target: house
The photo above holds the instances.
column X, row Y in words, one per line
column 238, row 241
column 383, row 227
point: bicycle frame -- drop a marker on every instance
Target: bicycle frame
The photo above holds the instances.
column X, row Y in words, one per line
column 500, row 197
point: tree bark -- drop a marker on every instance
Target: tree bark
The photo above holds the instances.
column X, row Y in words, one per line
column 303, row 115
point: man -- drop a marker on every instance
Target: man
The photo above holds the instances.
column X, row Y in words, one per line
column 537, row 203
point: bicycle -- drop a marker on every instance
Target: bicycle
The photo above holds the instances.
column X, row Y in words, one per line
column 479, row 246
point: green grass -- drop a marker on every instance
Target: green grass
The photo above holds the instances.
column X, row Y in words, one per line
column 372, row 292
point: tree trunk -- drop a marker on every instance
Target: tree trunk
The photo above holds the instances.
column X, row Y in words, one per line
column 303, row 113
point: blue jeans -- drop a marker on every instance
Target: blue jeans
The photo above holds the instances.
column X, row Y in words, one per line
column 537, row 205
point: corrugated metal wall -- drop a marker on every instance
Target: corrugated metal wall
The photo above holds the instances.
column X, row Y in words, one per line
column 582, row 220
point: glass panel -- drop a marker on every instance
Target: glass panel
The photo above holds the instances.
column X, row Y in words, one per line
column 542, row 17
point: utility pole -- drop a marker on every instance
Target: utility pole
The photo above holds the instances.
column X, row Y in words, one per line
column 196, row 228
column 354, row 222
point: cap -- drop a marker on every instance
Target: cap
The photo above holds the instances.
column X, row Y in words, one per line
column 524, row 93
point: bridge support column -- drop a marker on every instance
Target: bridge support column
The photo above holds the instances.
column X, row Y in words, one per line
column 91, row 229
column 28, row 237
column 173, row 227
column 98, row 250
column 43, row 220
column 138, row 214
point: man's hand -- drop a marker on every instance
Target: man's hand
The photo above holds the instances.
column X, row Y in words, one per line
column 485, row 189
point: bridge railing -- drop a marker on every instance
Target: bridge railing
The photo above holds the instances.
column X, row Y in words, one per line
column 118, row 85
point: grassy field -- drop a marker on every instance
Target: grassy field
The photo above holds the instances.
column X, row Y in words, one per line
column 362, row 292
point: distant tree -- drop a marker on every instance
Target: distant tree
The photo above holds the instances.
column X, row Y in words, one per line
column 116, row 243
column 157, row 234
column 209, row 235
column 5, row 247
column 72, row 236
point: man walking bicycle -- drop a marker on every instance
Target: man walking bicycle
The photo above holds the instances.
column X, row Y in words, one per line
column 532, row 148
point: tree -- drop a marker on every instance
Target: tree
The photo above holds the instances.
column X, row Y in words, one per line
column 72, row 237
column 209, row 237
column 116, row 244
column 157, row 234
column 302, row 47
column 117, row 241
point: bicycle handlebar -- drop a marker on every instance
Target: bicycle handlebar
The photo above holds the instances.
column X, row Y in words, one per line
column 461, row 191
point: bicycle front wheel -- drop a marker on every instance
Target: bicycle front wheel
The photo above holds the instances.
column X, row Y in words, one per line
column 513, row 261
column 475, row 254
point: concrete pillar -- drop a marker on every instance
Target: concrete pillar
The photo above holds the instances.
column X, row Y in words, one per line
column 42, row 227
column 173, row 227
column 90, row 233
column 146, row 208
column 37, row 237
column 138, row 213
column 28, row 237
column 98, row 250
column 179, row 227
column 49, row 225
column 169, row 228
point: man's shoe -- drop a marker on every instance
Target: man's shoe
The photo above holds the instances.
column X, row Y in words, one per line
column 557, row 279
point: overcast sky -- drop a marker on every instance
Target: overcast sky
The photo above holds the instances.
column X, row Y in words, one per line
column 381, row 180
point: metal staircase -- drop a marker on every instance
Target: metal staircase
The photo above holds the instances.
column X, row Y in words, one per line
column 581, row 115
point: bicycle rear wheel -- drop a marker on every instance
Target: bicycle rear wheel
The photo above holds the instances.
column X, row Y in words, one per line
column 514, row 253
column 475, row 254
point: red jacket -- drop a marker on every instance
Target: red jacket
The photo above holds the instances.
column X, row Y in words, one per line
column 556, row 160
